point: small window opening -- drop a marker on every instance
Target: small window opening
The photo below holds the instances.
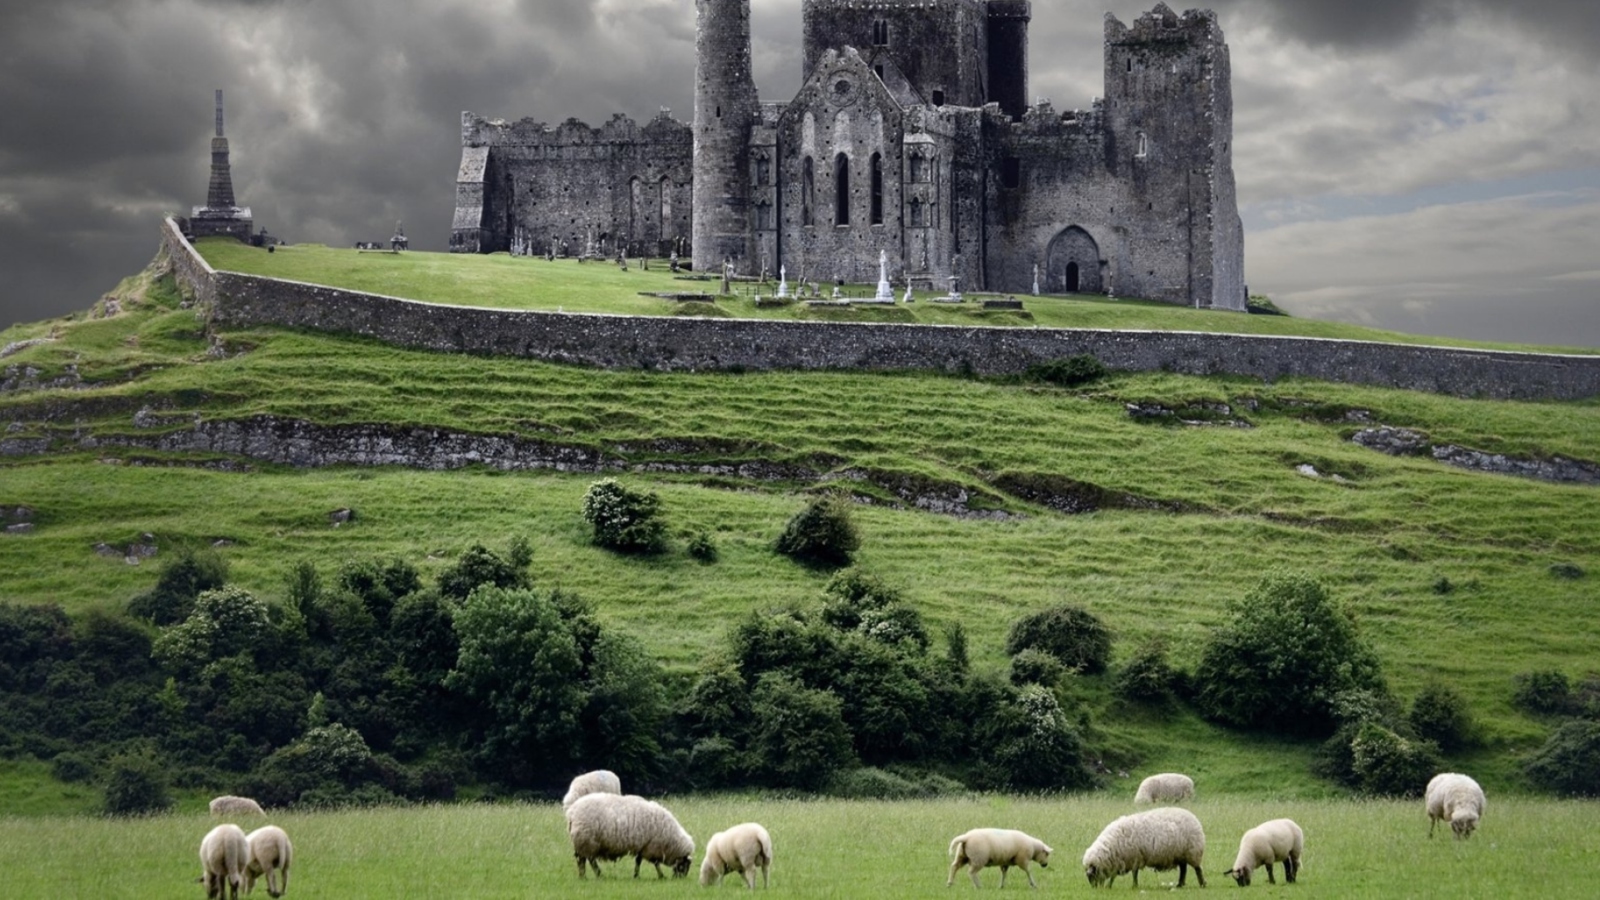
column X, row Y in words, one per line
column 1144, row 146
column 763, row 171
column 880, row 33
column 1011, row 172
column 879, row 70
column 719, row 111
column 808, row 190
column 1130, row 64
column 938, row 98
column 917, row 166
column 916, row 213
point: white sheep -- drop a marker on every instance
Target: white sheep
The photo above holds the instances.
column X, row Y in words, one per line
column 743, row 849
column 1168, row 787
column 600, row 781
column 1279, row 840
column 611, row 826
column 983, row 847
column 1456, row 798
column 229, row 805
column 270, row 855
column 1158, row 839
column 224, row 853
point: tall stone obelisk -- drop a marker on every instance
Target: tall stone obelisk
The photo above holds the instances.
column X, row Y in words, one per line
column 221, row 215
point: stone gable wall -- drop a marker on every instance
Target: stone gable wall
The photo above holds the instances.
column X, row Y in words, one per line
column 694, row 344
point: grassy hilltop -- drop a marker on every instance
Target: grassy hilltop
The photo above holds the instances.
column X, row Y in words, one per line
column 1449, row 572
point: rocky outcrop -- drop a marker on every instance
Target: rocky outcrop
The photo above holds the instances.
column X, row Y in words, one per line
column 1409, row 442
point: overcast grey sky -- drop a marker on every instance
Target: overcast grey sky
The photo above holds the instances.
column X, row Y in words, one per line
column 1424, row 165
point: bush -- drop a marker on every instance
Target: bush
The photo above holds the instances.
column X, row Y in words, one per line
column 1147, row 677
column 1069, row 371
column 1284, row 657
column 1545, row 692
column 823, row 533
column 1440, row 714
column 799, row 738
column 871, row 783
column 702, row 547
column 136, row 784
column 1033, row 666
column 1388, row 765
column 189, row 574
column 1569, row 762
column 1039, row 749
column 478, row 566
column 623, row 519
column 1566, row 570
column 72, row 767
column 1069, row 633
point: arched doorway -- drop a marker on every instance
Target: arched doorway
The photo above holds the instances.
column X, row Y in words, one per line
column 1072, row 264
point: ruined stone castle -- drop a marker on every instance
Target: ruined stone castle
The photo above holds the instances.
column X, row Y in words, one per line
column 911, row 136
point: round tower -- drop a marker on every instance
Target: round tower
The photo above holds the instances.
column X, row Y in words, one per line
column 726, row 108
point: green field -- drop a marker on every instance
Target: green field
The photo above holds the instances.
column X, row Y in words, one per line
column 1449, row 571
column 502, row 281
column 1523, row 848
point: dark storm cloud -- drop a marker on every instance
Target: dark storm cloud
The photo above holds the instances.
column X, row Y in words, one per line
column 1570, row 25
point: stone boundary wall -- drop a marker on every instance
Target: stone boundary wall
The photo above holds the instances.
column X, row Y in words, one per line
column 676, row 343
column 194, row 274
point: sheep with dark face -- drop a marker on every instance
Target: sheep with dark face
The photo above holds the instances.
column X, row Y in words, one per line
column 612, row 826
column 1159, row 839
column 1456, row 799
column 224, row 853
column 1279, row 840
column 983, row 847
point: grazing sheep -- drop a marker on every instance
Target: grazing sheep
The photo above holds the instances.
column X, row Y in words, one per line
column 743, row 849
column 1457, row 798
column 270, row 855
column 1279, row 840
column 1003, row 847
column 1168, row 787
column 229, row 805
column 611, row 826
column 600, row 781
column 1159, row 839
column 224, row 853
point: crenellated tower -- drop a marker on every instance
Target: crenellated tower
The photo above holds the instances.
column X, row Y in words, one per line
column 726, row 109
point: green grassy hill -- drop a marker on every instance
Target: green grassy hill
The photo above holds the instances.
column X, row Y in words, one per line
column 1449, row 571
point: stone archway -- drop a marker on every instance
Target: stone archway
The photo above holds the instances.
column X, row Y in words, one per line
column 1072, row 264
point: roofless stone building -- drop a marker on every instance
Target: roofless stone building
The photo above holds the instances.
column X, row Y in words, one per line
column 911, row 136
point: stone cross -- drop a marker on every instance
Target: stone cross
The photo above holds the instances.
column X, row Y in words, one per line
column 783, row 281
column 885, row 292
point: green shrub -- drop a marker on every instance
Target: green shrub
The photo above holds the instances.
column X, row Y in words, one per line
column 872, row 783
column 1388, row 765
column 1286, row 653
column 1068, row 371
column 623, row 519
column 188, row 575
column 1147, row 677
column 799, row 734
column 1569, row 762
column 1039, row 749
column 1071, row 634
column 1440, row 714
column 72, row 767
column 136, row 784
column 1544, row 692
column 702, row 547
column 1034, row 666
column 823, row 533
column 1566, row 570
column 479, row 566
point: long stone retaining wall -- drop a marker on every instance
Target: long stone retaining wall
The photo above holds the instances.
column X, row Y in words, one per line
column 701, row 344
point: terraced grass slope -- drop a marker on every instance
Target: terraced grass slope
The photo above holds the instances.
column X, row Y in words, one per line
column 982, row 500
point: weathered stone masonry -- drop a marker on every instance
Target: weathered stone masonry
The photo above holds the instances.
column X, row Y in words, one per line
column 694, row 344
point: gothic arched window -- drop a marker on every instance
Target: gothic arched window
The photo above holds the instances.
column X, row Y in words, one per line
column 877, row 189
column 808, row 192
column 841, row 190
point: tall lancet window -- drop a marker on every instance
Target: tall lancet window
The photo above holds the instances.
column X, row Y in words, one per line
column 880, row 33
column 808, row 192
column 841, row 189
column 877, row 189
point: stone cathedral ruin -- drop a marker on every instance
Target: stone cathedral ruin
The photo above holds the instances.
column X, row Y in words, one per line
column 911, row 137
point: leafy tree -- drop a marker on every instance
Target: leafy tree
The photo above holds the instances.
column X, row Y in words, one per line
column 1386, row 764
column 136, row 784
column 1036, row 667
column 303, row 586
column 224, row 622
column 799, row 735
column 1440, row 714
column 518, row 664
column 1037, row 748
column 1545, row 692
column 186, row 577
column 1147, row 677
column 379, row 583
column 1070, row 633
column 824, row 533
column 478, row 566
column 623, row 519
column 1286, row 654
column 1569, row 762
column 955, row 640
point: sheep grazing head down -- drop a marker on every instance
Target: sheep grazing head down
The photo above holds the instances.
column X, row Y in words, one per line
column 1240, row 875
column 1463, row 822
column 680, row 867
column 1098, row 876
